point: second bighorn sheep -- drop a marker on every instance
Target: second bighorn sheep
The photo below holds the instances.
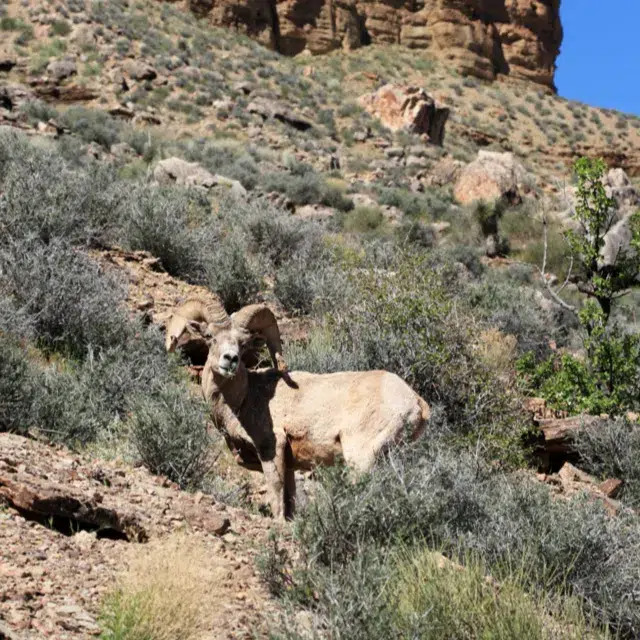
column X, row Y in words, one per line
column 278, row 421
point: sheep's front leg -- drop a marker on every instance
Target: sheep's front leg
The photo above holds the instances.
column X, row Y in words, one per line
column 274, row 470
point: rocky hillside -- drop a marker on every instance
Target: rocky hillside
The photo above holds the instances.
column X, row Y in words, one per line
column 399, row 203
column 520, row 39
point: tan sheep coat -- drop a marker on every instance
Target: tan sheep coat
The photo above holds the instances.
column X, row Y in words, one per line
column 297, row 421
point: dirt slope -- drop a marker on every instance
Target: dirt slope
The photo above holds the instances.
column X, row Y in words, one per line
column 68, row 523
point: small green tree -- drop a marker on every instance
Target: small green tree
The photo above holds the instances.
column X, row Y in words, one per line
column 601, row 279
column 608, row 379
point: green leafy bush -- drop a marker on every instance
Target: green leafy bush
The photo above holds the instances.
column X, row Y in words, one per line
column 92, row 125
column 60, row 28
column 363, row 219
column 606, row 380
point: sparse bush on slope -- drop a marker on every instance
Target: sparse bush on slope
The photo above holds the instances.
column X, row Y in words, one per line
column 406, row 320
column 454, row 502
column 611, row 449
column 43, row 197
column 15, row 387
column 114, row 373
column 170, row 433
column 67, row 303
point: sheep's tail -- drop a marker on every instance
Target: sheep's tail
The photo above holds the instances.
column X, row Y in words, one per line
column 425, row 414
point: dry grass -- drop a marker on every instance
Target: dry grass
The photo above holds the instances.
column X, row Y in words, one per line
column 498, row 350
column 438, row 598
column 167, row 592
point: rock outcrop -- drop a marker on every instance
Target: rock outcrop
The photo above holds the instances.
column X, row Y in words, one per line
column 408, row 108
column 484, row 38
column 492, row 176
column 191, row 174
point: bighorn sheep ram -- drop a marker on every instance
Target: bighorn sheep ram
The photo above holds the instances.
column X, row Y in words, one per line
column 179, row 334
column 278, row 421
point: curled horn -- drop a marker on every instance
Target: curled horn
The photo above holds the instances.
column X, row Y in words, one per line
column 259, row 319
column 196, row 314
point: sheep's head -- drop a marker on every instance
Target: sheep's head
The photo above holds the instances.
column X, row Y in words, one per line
column 226, row 346
column 229, row 340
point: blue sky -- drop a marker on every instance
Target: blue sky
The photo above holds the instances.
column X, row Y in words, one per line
column 599, row 63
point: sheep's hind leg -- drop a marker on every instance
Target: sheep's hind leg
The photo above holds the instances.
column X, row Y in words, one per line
column 274, row 471
column 289, row 485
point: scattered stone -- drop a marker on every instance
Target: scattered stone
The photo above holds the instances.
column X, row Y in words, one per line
column 120, row 111
column 272, row 109
column 444, row 172
column 7, row 62
column 14, row 95
column 60, row 70
column 315, row 212
column 417, row 162
column 146, row 117
column 47, row 90
column 611, row 487
column 407, row 108
column 192, row 174
column 138, row 70
column 123, row 151
column 362, row 135
column 243, row 87
column 394, row 152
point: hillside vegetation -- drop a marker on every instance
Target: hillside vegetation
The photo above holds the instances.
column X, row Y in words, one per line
column 342, row 227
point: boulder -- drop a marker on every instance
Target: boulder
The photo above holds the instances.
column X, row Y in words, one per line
column 60, row 70
column 444, row 172
column 619, row 187
column 191, row 174
column 492, row 176
column 267, row 109
column 617, row 243
column 138, row 70
column 13, row 95
column 407, row 108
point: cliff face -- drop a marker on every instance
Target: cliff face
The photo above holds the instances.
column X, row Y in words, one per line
column 484, row 38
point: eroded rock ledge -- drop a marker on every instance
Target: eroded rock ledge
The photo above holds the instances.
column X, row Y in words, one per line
column 485, row 38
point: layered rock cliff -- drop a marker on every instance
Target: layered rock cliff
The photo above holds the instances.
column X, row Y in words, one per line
column 484, row 38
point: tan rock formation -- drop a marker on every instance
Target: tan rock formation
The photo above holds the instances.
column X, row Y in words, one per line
column 481, row 37
column 492, row 176
column 409, row 108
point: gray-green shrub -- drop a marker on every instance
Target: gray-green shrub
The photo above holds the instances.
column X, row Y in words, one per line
column 454, row 501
